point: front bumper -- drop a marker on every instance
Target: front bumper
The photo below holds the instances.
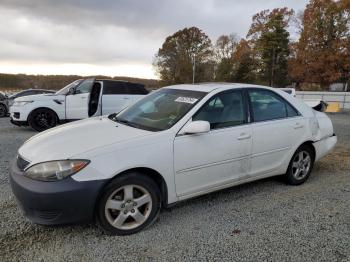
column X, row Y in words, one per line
column 20, row 114
column 18, row 123
column 50, row 203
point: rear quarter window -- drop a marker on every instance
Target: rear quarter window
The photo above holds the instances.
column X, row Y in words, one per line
column 136, row 89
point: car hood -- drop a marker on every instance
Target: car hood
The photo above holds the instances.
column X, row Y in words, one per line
column 40, row 97
column 75, row 138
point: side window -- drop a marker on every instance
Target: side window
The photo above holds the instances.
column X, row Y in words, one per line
column 84, row 87
column 223, row 110
column 267, row 105
column 291, row 111
column 114, row 88
column 24, row 93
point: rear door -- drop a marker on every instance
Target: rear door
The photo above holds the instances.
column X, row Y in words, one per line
column 136, row 91
column 77, row 102
column 277, row 128
column 115, row 97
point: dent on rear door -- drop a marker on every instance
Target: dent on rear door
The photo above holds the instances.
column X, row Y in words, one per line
column 273, row 143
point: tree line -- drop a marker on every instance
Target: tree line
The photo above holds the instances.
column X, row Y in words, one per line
column 55, row 82
column 268, row 55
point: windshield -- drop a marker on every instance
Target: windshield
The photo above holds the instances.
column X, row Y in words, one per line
column 160, row 110
column 65, row 89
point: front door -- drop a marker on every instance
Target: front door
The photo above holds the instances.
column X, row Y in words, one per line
column 77, row 101
column 205, row 162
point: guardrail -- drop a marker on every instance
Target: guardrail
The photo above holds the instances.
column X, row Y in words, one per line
column 343, row 98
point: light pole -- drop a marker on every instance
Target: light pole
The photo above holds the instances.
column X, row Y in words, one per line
column 193, row 67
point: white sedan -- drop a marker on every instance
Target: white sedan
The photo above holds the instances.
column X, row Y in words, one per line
column 176, row 143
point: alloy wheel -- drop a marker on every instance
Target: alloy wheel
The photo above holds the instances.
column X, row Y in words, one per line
column 44, row 120
column 301, row 165
column 128, row 207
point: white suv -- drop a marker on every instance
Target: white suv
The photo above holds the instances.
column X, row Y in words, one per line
column 81, row 99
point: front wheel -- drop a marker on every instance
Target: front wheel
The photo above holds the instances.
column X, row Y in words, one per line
column 42, row 119
column 300, row 166
column 129, row 204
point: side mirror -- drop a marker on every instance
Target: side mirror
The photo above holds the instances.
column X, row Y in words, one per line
column 71, row 91
column 197, row 127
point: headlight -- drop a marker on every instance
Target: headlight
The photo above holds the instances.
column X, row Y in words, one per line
column 55, row 170
column 21, row 103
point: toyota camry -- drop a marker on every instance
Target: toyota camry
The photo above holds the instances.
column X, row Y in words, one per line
column 176, row 143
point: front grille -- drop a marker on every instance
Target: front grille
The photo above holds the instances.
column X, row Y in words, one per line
column 21, row 163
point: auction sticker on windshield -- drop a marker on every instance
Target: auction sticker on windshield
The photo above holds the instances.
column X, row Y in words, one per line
column 189, row 100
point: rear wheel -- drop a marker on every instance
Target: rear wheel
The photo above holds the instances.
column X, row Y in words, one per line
column 301, row 165
column 42, row 119
column 129, row 204
column 3, row 110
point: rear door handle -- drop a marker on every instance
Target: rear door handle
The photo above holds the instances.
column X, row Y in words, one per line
column 244, row 136
column 297, row 125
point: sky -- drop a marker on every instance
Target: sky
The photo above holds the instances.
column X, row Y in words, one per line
column 111, row 37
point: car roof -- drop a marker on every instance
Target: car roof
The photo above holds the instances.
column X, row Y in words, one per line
column 217, row 87
column 111, row 80
column 36, row 89
column 116, row 80
column 209, row 87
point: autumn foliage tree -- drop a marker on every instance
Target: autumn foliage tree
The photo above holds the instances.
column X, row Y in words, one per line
column 225, row 47
column 322, row 54
column 245, row 63
column 174, row 59
column 270, row 37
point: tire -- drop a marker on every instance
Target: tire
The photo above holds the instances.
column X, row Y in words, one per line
column 119, row 214
column 3, row 110
column 300, row 165
column 42, row 119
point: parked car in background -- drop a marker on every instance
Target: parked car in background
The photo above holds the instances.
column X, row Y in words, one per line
column 289, row 90
column 3, row 105
column 176, row 143
column 81, row 99
column 316, row 104
column 27, row 92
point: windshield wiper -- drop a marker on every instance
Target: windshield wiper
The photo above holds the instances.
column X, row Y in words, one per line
column 126, row 122
column 114, row 118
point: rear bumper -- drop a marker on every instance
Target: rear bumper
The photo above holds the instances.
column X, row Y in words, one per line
column 324, row 146
column 52, row 203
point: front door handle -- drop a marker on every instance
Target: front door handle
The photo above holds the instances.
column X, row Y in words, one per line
column 244, row 136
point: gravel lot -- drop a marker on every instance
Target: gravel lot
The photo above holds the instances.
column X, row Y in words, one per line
column 260, row 221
